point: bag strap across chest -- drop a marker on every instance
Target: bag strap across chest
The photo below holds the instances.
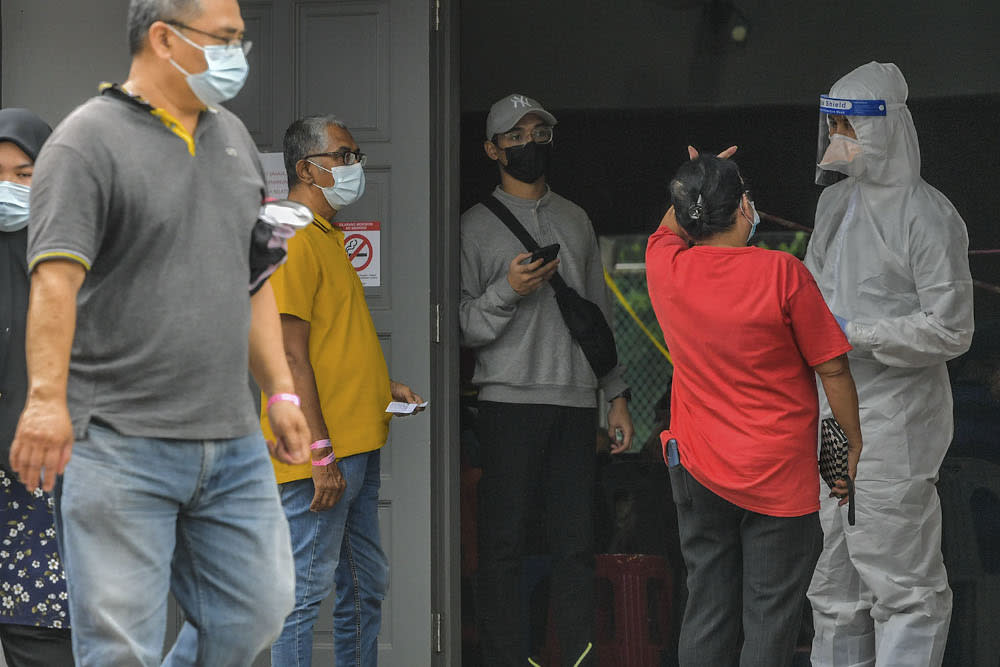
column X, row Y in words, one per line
column 514, row 225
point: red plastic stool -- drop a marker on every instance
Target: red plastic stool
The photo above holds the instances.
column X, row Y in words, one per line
column 633, row 609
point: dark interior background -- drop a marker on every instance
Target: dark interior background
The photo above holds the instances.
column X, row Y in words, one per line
column 633, row 82
column 615, row 163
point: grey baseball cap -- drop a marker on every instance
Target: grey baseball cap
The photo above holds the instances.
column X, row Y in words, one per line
column 510, row 109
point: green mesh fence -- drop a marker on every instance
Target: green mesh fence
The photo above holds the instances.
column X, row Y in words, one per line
column 646, row 369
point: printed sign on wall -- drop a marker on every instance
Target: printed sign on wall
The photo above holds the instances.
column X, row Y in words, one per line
column 274, row 174
column 361, row 241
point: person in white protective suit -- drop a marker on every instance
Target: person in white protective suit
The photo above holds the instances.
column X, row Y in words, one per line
column 890, row 254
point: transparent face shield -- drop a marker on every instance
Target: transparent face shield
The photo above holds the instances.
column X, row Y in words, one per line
column 837, row 153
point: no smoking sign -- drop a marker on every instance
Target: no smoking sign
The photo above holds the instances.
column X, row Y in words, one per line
column 361, row 241
column 359, row 249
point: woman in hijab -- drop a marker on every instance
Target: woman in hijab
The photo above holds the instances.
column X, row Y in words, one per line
column 34, row 621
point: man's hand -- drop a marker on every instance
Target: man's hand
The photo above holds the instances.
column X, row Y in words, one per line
column 619, row 418
column 526, row 278
column 42, row 444
column 329, row 484
column 402, row 393
column 291, row 433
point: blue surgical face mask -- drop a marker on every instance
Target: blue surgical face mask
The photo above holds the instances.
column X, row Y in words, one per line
column 227, row 72
column 13, row 206
column 348, row 184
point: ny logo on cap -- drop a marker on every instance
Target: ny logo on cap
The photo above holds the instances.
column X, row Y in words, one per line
column 520, row 101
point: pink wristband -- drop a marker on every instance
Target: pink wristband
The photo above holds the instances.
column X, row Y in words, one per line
column 326, row 460
column 320, row 444
column 291, row 398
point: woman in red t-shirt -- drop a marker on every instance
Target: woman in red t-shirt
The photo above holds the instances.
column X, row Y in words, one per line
column 748, row 330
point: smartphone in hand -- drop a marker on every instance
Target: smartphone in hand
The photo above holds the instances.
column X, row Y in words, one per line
column 548, row 253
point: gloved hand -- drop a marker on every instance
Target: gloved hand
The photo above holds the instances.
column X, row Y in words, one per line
column 842, row 322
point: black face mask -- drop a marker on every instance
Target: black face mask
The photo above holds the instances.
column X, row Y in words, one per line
column 529, row 162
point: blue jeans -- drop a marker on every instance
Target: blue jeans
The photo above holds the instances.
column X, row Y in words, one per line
column 339, row 546
column 138, row 517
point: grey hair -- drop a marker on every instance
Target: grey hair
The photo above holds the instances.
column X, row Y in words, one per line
column 144, row 13
column 306, row 136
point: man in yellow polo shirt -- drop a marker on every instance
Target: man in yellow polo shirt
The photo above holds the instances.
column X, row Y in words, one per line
column 342, row 380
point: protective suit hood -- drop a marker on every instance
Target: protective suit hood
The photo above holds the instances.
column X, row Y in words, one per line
column 889, row 143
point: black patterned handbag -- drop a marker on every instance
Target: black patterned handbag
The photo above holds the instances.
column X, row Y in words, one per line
column 833, row 460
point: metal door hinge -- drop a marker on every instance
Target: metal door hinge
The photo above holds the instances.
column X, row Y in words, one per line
column 437, row 15
column 436, row 633
column 437, row 323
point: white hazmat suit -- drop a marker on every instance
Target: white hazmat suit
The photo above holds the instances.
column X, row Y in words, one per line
column 890, row 254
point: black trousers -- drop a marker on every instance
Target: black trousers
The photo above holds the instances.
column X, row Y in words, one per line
column 526, row 448
column 28, row 646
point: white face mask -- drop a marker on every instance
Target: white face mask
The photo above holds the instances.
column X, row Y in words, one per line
column 227, row 72
column 13, row 206
column 843, row 155
column 348, row 184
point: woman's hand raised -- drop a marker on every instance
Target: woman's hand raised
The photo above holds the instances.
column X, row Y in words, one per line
column 728, row 153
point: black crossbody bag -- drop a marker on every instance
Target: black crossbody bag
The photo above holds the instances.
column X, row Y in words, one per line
column 584, row 319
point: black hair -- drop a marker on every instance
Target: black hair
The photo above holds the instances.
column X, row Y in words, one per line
column 705, row 193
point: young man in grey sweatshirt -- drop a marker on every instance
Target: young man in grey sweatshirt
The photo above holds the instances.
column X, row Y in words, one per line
column 537, row 392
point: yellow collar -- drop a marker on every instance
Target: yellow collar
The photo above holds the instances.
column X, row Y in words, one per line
column 322, row 223
column 171, row 123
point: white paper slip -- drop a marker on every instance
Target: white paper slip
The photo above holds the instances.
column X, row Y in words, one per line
column 400, row 408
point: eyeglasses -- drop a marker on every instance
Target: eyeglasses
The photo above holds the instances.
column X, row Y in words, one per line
column 346, row 157
column 540, row 135
column 239, row 43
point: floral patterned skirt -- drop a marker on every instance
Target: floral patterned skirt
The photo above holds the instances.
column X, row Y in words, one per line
column 32, row 581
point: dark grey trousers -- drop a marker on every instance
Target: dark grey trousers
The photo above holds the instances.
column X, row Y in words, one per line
column 746, row 571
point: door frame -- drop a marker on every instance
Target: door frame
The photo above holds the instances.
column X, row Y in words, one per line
column 445, row 115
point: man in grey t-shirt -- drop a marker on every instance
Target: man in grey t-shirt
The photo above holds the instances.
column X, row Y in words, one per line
column 537, row 392
column 140, row 327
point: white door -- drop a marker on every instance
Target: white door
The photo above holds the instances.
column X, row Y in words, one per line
column 367, row 62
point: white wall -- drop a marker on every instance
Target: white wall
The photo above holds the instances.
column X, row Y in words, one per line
column 56, row 52
column 646, row 54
